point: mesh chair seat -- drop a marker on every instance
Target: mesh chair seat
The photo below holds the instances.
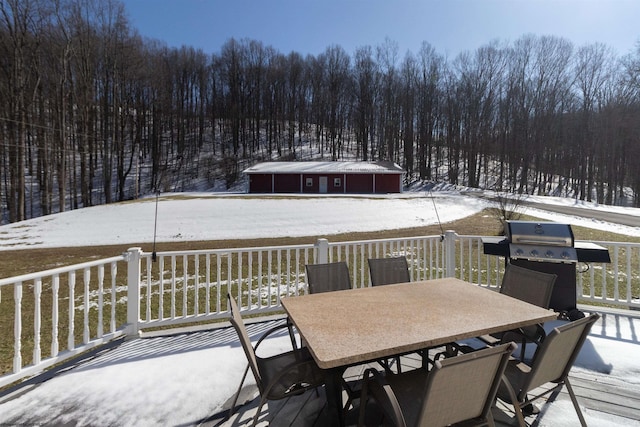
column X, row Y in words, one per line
column 289, row 373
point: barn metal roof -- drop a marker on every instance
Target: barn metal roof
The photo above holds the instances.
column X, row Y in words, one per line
column 325, row 167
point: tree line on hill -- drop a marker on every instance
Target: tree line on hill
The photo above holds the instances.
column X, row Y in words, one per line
column 88, row 107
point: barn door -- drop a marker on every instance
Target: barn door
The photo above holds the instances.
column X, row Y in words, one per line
column 322, row 184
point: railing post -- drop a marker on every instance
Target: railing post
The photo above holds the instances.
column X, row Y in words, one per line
column 133, row 290
column 450, row 238
column 322, row 251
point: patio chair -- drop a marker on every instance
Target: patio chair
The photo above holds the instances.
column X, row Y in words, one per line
column 551, row 364
column 328, row 277
column 461, row 388
column 534, row 287
column 385, row 271
column 333, row 276
column 279, row 376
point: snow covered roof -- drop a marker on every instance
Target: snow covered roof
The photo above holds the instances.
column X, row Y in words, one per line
column 325, row 167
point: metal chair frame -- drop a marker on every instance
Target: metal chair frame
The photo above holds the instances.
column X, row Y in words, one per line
column 292, row 372
column 552, row 362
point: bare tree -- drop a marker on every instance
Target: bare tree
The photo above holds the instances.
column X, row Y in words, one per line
column 365, row 94
column 409, row 79
column 428, row 110
column 388, row 113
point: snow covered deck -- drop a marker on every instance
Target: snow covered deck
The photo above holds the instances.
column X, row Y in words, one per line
column 188, row 377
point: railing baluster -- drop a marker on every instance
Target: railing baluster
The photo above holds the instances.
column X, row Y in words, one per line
column 364, row 266
column 149, row 272
column 268, row 281
column 288, row 274
column 479, row 260
column 229, row 282
column 114, row 281
column 173, row 287
column 260, row 279
column 431, row 267
column 278, row 277
column 250, row 273
column 239, row 281
column 218, row 282
column 207, row 284
column 628, row 281
column 72, row 309
column 161, row 288
column 615, row 277
column 470, row 258
column 86, row 306
column 185, row 284
column 616, row 286
column 37, row 320
column 196, row 280
column 55, row 287
column 17, row 328
column 592, row 287
column 100, row 331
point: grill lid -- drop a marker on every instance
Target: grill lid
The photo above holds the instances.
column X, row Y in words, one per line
column 539, row 233
column 541, row 241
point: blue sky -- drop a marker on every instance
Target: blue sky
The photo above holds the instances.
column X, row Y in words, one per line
column 450, row 26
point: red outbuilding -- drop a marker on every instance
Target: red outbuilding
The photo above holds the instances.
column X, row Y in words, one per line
column 325, row 177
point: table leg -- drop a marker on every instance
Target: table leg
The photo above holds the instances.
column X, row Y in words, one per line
column 333, row 389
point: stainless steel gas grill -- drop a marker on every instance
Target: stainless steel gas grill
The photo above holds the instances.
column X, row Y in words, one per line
column 548, row 247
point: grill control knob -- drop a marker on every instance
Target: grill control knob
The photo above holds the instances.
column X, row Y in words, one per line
column 534, row 252
column 549, row 254
column 565, row 255
column 519, row 252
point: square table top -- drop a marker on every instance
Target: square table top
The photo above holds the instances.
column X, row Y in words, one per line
column 353, row 326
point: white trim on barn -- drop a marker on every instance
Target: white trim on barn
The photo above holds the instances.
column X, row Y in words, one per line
column 325, row 167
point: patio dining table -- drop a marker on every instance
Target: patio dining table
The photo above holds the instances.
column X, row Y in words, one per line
column 351, row 327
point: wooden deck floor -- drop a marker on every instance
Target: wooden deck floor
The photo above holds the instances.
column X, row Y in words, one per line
column 599, row 396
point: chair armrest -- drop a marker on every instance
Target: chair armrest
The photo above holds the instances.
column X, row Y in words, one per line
column 490, row 339
column 275, row 329
column 453, row 349
column 535, row 334
column 376, row 386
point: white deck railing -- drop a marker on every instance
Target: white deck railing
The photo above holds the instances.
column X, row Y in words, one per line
column 59, row 313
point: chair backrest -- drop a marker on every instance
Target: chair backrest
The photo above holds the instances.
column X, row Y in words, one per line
column 333, row 276
column 534, row 287
column 241, row 330
column 557, row 353
column 385, row 271
column 464, row 387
